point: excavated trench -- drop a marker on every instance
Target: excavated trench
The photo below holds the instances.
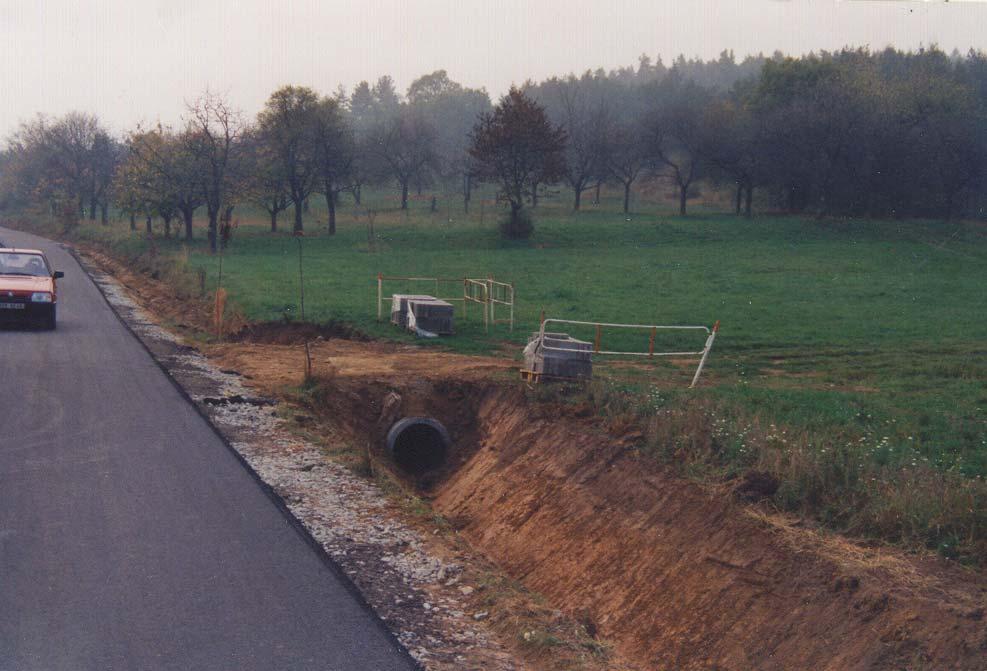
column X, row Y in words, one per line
column 674, row 575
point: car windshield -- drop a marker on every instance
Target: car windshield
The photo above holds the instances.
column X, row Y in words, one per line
column 32, row 265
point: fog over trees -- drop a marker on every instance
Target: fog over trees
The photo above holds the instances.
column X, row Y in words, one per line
column 848, row 133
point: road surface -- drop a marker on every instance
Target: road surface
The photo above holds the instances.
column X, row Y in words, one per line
column 130, row 535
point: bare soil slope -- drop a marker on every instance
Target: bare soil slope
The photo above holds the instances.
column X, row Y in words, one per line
column 686, row 579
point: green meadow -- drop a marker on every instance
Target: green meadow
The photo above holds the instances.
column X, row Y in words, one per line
column 850, row 361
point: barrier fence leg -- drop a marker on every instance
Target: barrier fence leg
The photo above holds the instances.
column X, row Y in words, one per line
column 490, row 303
column 706, row 349
column 512, row 307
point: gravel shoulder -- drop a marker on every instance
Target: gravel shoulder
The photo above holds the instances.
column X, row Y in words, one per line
column 417, row 591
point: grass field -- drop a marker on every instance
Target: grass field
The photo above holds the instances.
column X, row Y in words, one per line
column 850, row 361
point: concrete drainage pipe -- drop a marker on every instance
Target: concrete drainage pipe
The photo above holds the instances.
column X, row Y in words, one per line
column 418, row 444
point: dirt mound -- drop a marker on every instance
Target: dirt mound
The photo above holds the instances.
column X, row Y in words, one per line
column 296, row 333
column 680, row 578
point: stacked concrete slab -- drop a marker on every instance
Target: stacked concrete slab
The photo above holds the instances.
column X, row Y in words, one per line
column 399, row 307
column 572, row 358
column 431, row 314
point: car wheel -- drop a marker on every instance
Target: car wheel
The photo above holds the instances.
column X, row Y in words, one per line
column 50, row 322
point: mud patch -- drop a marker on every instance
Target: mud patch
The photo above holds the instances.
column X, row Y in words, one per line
column 296, row 333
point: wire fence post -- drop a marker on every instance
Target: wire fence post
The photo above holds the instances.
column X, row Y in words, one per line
column 490, row 299
column 380, row 296
column 301, row 281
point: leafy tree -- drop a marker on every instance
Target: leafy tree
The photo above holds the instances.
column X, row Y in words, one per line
column 213, row 138
column 582, row 112
column 626, row 156
column 676, row 138
column 516, row 147
column 288, row 126
column 335, row 154
column 265, row 185
column 404, row 148
column 453, row 110
column 176, row 171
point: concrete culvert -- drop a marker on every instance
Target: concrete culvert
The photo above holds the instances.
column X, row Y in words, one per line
column 418, row 444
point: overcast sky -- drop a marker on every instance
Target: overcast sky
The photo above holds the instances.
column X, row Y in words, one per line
column 133, row 61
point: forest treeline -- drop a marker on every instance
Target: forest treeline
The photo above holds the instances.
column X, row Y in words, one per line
column 847, row 133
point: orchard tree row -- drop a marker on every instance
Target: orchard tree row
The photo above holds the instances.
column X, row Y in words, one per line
column 849, row 133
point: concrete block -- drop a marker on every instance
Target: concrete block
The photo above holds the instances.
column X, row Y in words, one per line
column 399, row 307
column 574, row 359
column 433, row 315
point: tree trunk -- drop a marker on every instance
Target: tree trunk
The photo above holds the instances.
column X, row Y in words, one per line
column 467, row 192
column 82, row 208
column 167, row 226
column 133, row 221
column 596, row 198
column 274, row 219
column 356, row 194
column 513, row 228
column 92, row 208
column 627, row 197
column 683, row 193
column 187, row 216
column 150, row 228
column 579, row 196
column 747, row 202
column 331, row 206
column 305, row 205
column 213, row 229
column 740, row 194
column 404, row 195
column 534, row 194
column 104, row 214
column 299, row 206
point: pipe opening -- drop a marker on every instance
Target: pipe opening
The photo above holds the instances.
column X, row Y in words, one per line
column 418, row 444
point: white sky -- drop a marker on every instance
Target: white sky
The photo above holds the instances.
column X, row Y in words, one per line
column 133, row 61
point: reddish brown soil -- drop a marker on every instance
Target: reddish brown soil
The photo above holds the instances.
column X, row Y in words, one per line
column 682, row 578
column 678, row 576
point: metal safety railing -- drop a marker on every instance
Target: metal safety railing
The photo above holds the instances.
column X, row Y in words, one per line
column 500, row 293
column 652, row 328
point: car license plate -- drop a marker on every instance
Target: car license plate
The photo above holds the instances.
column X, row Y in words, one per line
column 11, row 306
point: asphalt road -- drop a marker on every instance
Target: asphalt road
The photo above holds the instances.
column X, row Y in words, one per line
column 130, row 536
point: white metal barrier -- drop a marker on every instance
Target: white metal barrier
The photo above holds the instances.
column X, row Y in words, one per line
column 477, row 291
column 500, row 293
column 597, row 344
